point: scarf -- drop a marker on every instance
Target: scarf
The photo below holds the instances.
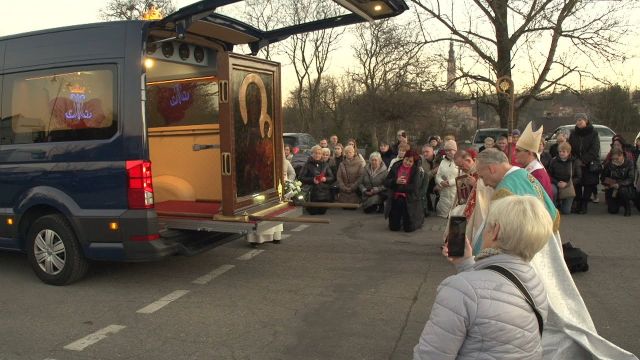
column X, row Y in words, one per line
column 488, row 252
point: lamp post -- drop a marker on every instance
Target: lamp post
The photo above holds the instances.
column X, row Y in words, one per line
column 504, row 86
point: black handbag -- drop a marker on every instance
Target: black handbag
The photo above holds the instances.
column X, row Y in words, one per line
column 595, row 166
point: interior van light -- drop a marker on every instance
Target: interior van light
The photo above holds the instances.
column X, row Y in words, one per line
column 377, row 7
column 148, row 63
column 114, row 226
column 9, row 221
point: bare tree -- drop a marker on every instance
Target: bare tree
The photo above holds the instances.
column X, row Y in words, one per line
column 392, row 71
column 265, row 15
column 134, row 9
column 309, row 55
column 502, row 37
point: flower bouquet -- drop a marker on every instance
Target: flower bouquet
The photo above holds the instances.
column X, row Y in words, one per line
column 293, row 191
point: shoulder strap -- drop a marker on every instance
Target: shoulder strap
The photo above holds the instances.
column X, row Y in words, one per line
column 514, row 279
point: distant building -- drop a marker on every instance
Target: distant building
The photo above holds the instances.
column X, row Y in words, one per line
column 451, row 69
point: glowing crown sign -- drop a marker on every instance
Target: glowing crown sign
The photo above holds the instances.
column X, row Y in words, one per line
column 78, row 97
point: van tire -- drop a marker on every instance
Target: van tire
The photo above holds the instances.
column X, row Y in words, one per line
column 63, row 240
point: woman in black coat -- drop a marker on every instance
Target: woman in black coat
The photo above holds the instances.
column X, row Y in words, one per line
column 405, row 183
column 585, row 147
column 617, row 178
column 316, row 175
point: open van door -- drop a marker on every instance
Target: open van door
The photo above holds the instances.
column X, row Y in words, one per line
column 222, row 20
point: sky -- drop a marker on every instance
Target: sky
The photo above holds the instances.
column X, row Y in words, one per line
column 30, row 15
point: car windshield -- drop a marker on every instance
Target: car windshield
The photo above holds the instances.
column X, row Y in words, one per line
column 481, row 135
column 605, row 132
column 290, row 140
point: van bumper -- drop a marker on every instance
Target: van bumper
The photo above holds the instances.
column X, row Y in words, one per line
column 140, row 238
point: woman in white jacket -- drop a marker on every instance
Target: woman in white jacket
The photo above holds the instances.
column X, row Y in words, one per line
column 446, row 180
column 480, row 314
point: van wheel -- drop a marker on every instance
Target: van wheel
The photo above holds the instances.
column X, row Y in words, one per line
column 54, row 251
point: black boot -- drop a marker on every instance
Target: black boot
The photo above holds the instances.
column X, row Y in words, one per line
column 583, row 207
column 627, row 208
column 575, row 207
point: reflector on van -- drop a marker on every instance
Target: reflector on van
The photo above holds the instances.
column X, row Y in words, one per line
column 226, row 20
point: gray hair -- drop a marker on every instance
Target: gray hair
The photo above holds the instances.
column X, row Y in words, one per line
column 375, row 154
column 564, row 131
column 492, row 156
column 316, row 148
column 525, row 225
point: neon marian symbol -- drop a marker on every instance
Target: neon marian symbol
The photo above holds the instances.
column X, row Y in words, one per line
column 179, row 96
column 78, row 112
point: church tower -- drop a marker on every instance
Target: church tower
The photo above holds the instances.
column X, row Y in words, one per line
column 451, row 69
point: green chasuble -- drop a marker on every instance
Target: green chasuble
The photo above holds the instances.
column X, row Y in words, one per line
column 520, row 182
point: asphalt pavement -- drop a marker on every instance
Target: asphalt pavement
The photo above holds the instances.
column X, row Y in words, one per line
column 348, row 290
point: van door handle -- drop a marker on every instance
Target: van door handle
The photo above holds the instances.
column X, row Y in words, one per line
column 226, row 164
column 198, row 147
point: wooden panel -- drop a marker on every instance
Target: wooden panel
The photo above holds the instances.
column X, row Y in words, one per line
column 172, row 154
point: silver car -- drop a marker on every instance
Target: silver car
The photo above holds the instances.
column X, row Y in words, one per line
column 605, row 134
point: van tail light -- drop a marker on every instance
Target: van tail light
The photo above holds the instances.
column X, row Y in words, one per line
column 140, row 186
column 295, row 150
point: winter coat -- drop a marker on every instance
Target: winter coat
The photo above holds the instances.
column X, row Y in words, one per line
column 623, row 174
column 349, row 174
column 446, row 171
column 311, row 169
column 413, row 190
column 373, row 180
column 545, row 159
column 479, row 314
column 387, row 157
column 637, row 180
column 334, row 163
column 585, row 146
column 562, row 170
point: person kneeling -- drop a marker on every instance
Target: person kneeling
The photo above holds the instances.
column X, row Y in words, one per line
column 481, row 313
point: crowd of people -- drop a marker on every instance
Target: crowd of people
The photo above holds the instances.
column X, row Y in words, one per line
column 405, row 181
column 518, row 299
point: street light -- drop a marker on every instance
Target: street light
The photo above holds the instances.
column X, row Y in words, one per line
column 504, row 86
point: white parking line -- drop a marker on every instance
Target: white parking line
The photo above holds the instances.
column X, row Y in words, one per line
column 157, row 305
column 91, row 339
column 300, row 227
column 212, row 275
column 250, row 255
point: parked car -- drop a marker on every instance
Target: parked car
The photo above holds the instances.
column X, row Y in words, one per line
column 481, row 134
column 300, row 144
column 605, row 134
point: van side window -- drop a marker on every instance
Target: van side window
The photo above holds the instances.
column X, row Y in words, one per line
column 69, row 104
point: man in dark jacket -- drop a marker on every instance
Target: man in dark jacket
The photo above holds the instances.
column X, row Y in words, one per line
column 585, row 146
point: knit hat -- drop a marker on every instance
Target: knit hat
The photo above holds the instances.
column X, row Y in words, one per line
column 530, row 140
column 579, row 116
column 450, row 145
column 515, row 132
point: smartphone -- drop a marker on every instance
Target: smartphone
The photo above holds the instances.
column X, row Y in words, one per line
column 456, row 236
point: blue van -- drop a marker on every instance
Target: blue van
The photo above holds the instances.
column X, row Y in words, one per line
column 135, row 140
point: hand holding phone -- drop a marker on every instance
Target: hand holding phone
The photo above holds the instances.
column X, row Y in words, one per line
column 456, row 237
